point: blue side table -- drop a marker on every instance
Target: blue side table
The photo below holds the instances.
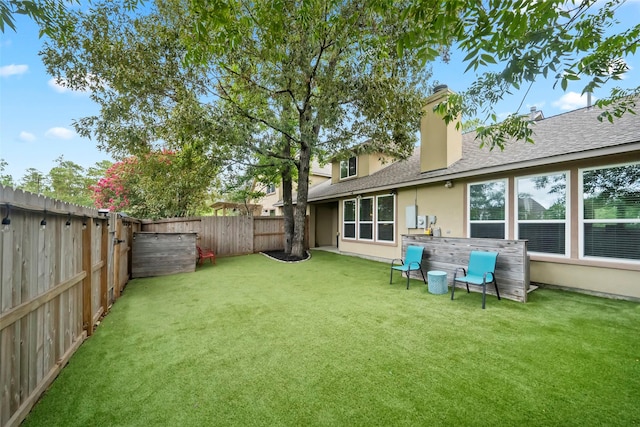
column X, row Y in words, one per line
column 437, row 281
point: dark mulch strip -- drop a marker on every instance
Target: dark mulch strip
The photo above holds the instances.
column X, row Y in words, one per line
column 282, row 256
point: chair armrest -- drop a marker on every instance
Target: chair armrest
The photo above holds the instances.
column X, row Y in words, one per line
column 415, row 263
column 397, row 259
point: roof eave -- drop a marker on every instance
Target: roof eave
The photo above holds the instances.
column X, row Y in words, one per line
column 582, row 155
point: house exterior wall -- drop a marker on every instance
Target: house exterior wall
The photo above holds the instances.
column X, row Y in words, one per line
column 603, row 276
column 366, row 165
column 599, row 280
column 269, row 201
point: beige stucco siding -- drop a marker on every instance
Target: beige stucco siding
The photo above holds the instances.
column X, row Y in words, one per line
column 582, row 277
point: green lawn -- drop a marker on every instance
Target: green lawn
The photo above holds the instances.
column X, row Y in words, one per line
column 252, row 341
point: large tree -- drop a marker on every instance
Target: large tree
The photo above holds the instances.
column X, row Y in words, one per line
column 68, row 182
column 296, row 79
column 288, row 80
column 316, row 77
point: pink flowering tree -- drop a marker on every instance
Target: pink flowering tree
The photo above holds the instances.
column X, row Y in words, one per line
column 161, row 184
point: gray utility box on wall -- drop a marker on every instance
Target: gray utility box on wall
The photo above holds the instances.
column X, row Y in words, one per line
column 159, row 254
column 412, row 214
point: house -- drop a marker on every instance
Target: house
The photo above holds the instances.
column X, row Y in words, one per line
column 574, row 195
column 272, row 200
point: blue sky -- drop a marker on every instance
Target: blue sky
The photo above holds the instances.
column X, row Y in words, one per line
column 36, row 115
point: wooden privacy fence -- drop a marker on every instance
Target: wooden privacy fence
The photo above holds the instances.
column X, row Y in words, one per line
column 61, row 267
column 449, row 253
column 228, row 235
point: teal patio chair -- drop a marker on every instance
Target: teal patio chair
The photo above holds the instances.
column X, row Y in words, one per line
column 412, row 262
column 480, row 272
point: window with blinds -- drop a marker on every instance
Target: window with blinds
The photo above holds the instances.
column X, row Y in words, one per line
column 610, row 212
column 541, row 213
column 487, row 209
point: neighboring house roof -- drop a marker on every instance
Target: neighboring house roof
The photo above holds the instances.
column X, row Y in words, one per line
column 565, row 137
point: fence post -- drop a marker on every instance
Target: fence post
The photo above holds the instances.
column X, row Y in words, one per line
column 116, row 260
column 104, row 255
column 87, row 318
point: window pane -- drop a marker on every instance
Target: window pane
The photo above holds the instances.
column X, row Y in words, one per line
column 366, row 231
column 612, row 193
column 612, row 240
column 542, row 197
column 352, row 166
column 366, row 209
column 547, row 237
column 491, row 230
column 385, row 232
column 350, row 231
column 344, row 168
column 385, row 208
column 487, row 201
column 350, row 210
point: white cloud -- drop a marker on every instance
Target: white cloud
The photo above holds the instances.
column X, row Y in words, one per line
column 61, row 86
column 60, row 133
column 27, row 137
column 572, row 101
column 58, row 87
column 13, row 69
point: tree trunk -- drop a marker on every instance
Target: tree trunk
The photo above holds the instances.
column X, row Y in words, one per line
column 300, row 215
column 287, row 200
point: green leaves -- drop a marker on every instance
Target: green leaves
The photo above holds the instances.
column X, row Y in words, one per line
column 514, row 42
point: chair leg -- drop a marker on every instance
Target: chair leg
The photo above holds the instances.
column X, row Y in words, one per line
column 423, row 278
column 484, row 294
column 407, row 279
column 453, row 285
column 391, row 276
column 495, row 283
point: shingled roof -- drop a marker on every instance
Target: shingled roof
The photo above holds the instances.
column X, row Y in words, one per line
column 570, row 136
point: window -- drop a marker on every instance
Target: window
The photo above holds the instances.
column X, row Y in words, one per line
column 348, row 168
column 610, row 212
column 487, row 209
column 375, row 219
column 386, row 218
column 542, row 213
column 271, row 188
column 349, row 222
column 366, row 219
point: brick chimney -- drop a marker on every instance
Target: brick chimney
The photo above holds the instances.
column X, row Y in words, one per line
column 440, row 143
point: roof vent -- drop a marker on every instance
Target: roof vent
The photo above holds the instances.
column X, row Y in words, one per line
column 440, row 88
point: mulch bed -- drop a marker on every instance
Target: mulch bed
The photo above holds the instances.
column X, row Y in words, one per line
column 282, row 256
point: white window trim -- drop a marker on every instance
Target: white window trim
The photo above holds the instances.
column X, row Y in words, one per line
column 372, row 222
column 494, row 221
column 377, row 221
column 347, row 161
column 566, row 221
column 582, row 221
column 354, row 222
